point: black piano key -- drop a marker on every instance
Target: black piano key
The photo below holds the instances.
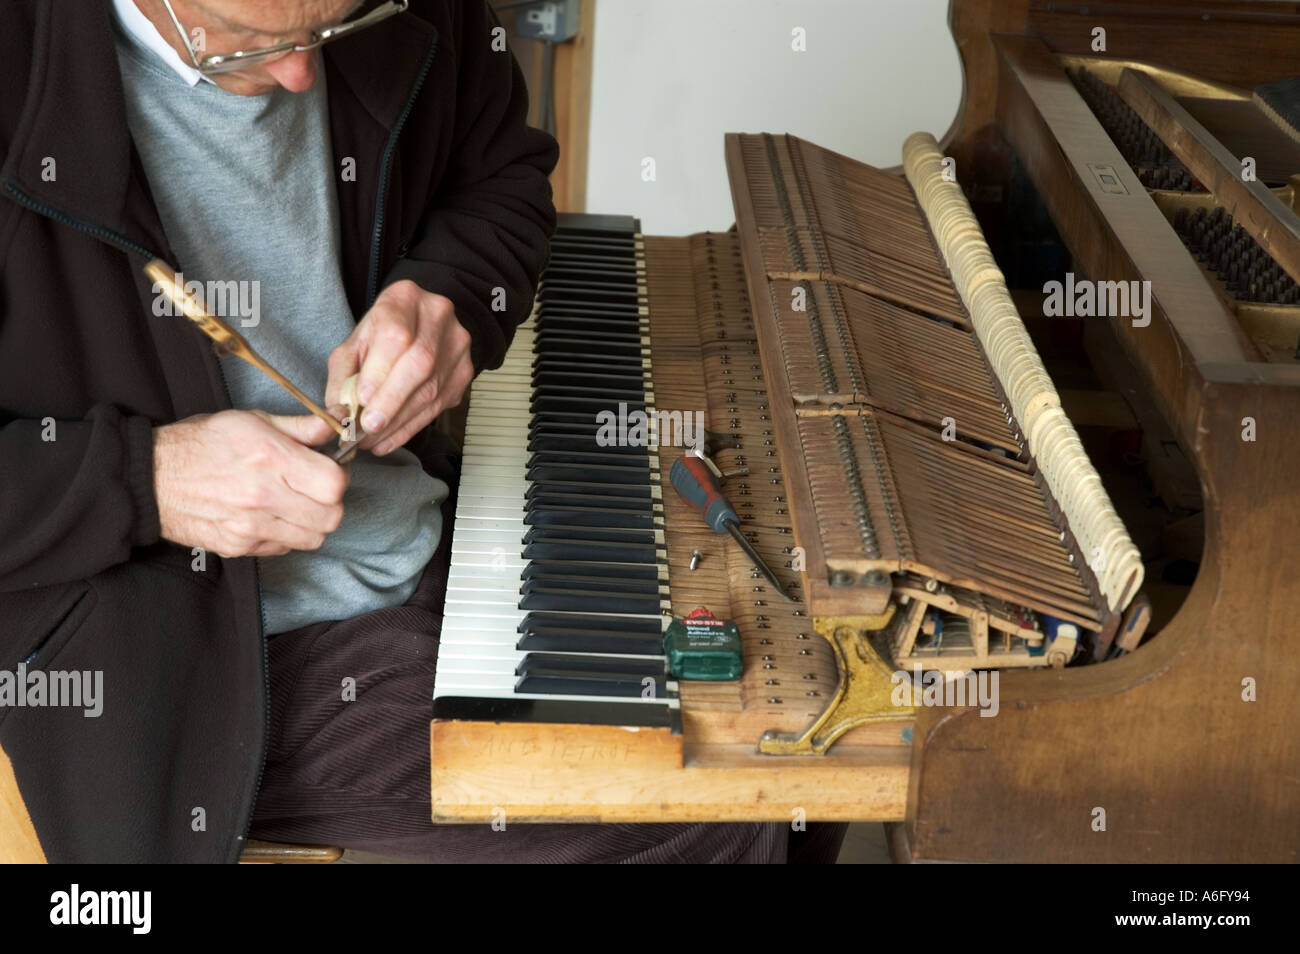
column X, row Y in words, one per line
column 583, row 323
column 578, row 254
column 578, row 344
column 630, row 346
column 581, row 359
column 631, row 370
column 542, row 622
column 608, row 268
column 604, row 398
column 576, row 682
column 610, row 295
column 577, row 319
column 582, row 535
column 559, row 569
column 545, row 470
column 553, row 499
column 573, row 279
column 534, row 662
column 596, row 456
column 547, row 403
column 560, row 443
column 602, row 248
column 601, row 437
column 600, row 457
column 595, row 584
column 598, row 339
column 633, row 367
column 600, row 518
column 573, row 269
column 629, row 379
column 571, row 424
column 561, row 599
column 562, row 419
column 568, row 359
column 592, row 433
column 632, row 509
column 598, row 224
column 588, row 488
column 566, row 548
column 580, row 228
column 576, row 640
column 623, row 312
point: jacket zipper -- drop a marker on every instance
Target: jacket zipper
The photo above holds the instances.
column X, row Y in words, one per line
column 98, row 231
column 121, row 241
column 385, row 168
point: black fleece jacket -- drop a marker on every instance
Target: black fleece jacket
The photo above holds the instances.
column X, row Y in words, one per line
column 450, row 191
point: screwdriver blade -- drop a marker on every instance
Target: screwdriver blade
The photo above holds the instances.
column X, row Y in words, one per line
column 754, row 558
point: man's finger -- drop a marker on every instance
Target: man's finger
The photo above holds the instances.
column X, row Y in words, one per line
column 316, row 476
column 294, row 536
column 391, row 331
column 344, row 361
column 408, row 380
column 290, row 506
column 307, row 472
column 307, row 429
column 403, row 432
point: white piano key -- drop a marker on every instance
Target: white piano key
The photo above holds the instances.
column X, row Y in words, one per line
column 496, row 626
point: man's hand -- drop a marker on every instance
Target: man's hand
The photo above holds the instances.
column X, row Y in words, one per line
column 246, row 483
column 413, row 356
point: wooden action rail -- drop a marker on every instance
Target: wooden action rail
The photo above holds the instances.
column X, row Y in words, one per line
column 931, row 438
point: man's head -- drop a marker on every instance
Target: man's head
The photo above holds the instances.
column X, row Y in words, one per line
column 227, row 26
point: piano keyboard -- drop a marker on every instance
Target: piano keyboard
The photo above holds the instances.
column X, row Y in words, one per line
column 558, row 582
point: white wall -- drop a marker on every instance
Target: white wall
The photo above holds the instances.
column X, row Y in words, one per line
column 669, row 77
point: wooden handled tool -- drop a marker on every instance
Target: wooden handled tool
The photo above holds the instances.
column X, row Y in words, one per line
column 232, row 341
column 349, row 398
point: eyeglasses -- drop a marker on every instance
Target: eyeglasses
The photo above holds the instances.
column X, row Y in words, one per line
column 242, row 59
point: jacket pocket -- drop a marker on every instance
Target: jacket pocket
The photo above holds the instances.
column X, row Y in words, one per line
column 47, row 619
column 43, row 619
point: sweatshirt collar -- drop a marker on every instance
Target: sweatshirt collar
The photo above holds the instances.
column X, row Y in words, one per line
column 140, row 28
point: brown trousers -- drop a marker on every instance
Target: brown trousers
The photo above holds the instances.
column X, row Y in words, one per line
column 356, row 774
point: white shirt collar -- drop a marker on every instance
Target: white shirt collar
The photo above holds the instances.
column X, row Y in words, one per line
column 140, row 27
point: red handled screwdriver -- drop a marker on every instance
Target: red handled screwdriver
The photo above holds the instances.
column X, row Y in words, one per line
column 694, row 481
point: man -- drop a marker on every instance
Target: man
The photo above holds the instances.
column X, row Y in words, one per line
column 355, row 187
